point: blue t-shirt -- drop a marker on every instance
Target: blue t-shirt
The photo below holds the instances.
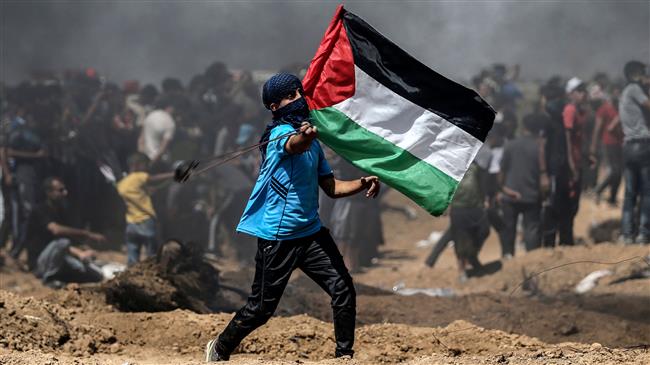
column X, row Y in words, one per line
column 284, row 201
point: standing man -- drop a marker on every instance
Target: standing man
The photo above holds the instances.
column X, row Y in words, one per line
column 608, row 128
column 282, row 213
column 520, row 177
column 634, row 108
column 574, row 117
column 158, row 131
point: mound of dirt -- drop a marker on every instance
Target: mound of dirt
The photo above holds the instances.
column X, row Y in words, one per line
column 178, row 337
column 179, row 278
column 28, row 323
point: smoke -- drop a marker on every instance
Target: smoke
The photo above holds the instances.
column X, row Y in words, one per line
column 148, row 40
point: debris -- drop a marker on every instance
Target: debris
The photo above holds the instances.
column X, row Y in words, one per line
column 429, row 241
column 590, row 281
column 401, row 289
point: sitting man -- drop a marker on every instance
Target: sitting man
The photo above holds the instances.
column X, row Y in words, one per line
column 50, row 253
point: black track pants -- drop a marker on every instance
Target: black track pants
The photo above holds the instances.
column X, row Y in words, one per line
column 319, row 258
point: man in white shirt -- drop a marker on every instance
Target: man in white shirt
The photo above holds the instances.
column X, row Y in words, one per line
column 157, row 132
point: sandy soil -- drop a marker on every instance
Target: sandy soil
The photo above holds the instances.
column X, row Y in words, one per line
column 519, row 315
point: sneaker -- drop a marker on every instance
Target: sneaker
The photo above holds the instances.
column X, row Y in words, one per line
column 626, row 240
column 212, row 354
column 643, row 239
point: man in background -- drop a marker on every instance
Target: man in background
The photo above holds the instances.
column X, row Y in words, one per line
column 50, row 251
column 634, row 108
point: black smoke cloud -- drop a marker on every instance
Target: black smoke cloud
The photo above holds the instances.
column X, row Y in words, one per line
column 149, row 40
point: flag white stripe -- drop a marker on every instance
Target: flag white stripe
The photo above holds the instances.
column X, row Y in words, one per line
column 424, row 134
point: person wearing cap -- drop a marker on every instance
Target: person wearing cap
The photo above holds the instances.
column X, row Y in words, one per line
column 634, row 109
column 282, row 213
column 574, row 119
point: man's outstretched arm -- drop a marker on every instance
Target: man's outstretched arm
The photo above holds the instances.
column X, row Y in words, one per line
column 339, row 189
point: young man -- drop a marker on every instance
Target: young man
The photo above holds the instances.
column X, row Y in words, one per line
column 553, row 161
column 607, row 128
column 520, row 177
column 574, row 117
column 634, row 108
column 135, row 188
column 282, row 213
column 468, row 220
column 158, row 131
column 50, row 252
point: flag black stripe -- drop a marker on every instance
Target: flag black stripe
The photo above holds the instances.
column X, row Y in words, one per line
column 391, row 66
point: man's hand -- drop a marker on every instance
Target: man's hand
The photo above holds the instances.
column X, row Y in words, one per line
column 372, row 186
column 593, row 160
column 513, row 194
column 301, row 142
column 308, row 130
column 544, row 184
column 87, row 255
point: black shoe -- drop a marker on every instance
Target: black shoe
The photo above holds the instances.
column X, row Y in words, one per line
column 212, row 353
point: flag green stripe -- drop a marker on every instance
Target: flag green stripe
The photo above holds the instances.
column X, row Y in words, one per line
column 424, row 184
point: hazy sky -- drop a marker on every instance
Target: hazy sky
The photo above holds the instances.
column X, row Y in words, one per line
column 148, row 40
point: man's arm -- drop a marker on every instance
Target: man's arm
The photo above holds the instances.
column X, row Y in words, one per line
column 544, row 181
column 594, row 140
column 61, row 230
column 24, row 154
column 299, row 143
column 339, row 188
column 572, row 165
column 6, row 173
column 646, row 104
column 153, row 179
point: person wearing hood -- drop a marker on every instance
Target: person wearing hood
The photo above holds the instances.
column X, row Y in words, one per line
column 282, row 212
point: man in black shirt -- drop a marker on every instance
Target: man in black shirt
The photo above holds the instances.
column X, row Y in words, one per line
column 520, row 176
column 50, row 253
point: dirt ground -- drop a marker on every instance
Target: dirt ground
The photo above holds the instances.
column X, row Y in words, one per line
column 518, row 315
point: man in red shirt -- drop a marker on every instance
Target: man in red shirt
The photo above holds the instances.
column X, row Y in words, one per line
column 574, row 118
column 608, row 128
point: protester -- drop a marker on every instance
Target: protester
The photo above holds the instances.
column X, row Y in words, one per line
column 355, row 222
column 634, row 107
column 25, row 151
column 283, row 213
column 50, row 242
column 468, row 221
column 157, row 131
column 554, row 162
column 135, row 189
column 520, row 194
column 607, row 128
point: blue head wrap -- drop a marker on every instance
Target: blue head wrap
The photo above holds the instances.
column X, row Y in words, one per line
column 278, row 87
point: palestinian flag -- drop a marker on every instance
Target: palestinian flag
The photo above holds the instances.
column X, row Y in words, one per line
column 392, row 116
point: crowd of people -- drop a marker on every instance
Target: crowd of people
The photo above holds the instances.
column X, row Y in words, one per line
column 85, row 161
column 530, row 174
column 88, row 163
